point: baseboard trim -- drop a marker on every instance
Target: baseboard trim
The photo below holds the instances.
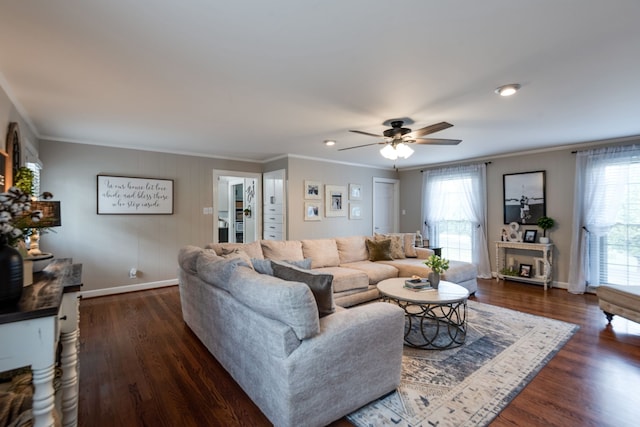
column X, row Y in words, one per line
column 128, row 288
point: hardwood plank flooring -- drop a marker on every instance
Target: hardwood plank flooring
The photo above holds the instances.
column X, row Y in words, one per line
column 140, row 365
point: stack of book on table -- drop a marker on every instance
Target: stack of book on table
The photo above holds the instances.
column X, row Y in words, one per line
column 417, row 284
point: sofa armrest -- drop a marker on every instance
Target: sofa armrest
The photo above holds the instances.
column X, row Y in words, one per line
column 424, row 253
column 357, row 355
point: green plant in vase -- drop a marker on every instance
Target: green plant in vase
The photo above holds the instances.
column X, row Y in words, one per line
column 545, row 223
column 438, row 266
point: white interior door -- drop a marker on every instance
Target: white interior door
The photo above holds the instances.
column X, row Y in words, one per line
column 386, row 203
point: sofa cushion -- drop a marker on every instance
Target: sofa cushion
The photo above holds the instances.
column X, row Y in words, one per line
column 376, row 271
column 323, row 252
column 237, row 253
column 187, row 258
column 263, row 266
column 217, row 270
column 379, row 250
column 352, row 249
column 281, row 250
column 345, row 279
column 319, row 283
column 409, row 245
column 291, row 303
column 397, row 244
column 253, row 249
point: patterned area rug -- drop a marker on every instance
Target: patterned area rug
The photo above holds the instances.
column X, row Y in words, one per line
column 471, row 384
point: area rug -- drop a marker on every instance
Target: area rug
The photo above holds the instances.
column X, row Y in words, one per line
column 471, row 384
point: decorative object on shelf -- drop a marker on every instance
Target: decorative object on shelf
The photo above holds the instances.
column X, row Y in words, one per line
column 525, row 270
column 504, row 234
column 524, row 197
column 355, row 192
column 11, row 273
column 530, row 236
column 538, row 268
column 16, row 220
column 545, row 223
column 513, row 234
column 312, row 190
column 335, row 198
column 507, row 271
column 513, row 265
column 438, row 266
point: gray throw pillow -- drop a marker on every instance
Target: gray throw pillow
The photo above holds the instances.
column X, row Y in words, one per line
column 321, row 284
column 263, row 266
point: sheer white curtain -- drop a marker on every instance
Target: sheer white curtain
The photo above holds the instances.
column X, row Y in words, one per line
column 600, row 176
column 459, row 194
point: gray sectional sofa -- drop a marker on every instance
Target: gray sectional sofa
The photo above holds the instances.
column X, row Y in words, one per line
column 303, row 358
column 299, row 368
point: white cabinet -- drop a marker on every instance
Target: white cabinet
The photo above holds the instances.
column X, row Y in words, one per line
column 274, row 205
column 542, row 266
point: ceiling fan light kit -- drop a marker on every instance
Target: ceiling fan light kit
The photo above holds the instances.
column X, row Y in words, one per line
column 508, row 90
column 397, row 139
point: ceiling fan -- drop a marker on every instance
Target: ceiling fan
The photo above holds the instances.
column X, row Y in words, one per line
column 396, row 139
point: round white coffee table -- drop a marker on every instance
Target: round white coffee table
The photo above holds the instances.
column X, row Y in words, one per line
column 436, row 318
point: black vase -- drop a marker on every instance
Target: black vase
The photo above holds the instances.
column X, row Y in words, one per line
column 11, row 274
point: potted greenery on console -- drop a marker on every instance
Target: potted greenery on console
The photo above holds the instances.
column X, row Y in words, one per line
column 545, row 223
column 438, row 266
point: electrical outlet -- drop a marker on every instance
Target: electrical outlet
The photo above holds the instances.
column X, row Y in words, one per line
column 133, row 273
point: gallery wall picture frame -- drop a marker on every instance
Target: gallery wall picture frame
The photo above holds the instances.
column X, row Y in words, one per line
column 530, row 236
column 355, row 191
column 312, row 190
column 313, row 211
column 355, row 211
column 129, row 195
column 524, row 197
column 335, row 200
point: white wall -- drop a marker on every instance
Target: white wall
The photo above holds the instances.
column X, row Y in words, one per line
column 301, row 169
column 109, row 245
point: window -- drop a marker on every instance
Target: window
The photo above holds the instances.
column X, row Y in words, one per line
column 454, row 208
column 618, row 251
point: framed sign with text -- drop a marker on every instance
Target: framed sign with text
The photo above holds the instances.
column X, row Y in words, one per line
column 122, row 195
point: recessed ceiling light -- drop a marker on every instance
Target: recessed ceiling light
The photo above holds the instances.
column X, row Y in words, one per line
column 329, row 142
column 508, row 90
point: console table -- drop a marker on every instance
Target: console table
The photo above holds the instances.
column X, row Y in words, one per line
column 546, row 249
column 46, row 314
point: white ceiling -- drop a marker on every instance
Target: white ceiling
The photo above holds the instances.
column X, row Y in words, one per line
column 257, row 79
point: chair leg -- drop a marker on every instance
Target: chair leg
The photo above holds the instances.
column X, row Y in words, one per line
column 609, row 316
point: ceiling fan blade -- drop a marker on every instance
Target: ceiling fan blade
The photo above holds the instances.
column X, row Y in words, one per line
column 428, row 129
column 367, row 133
column 437, row 141
column 360, row 146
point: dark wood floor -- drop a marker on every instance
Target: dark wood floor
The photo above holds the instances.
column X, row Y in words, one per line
column 141, row 366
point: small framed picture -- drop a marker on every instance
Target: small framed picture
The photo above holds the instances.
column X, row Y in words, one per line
column 335, row 200
column 312, row 211
column 312, row 190
column 530, row 236
column 525, row 270
column 355, row 192
column 355, row 211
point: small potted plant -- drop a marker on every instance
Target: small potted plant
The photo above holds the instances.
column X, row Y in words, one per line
column 438, row 266
column 545, row 223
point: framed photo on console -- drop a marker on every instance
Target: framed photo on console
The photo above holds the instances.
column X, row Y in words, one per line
column 525, row 270
column 530, row 236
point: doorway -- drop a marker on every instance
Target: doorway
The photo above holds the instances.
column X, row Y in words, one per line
column 386, row 204
column 237, row 207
